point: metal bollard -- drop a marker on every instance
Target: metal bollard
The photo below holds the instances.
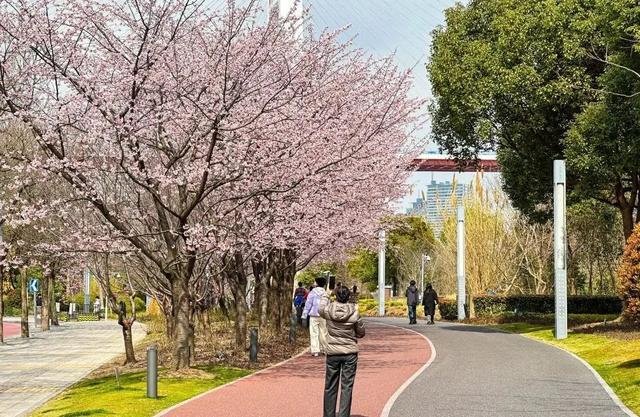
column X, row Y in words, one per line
column 152, row 372
column 292, row 328
column 253, row 346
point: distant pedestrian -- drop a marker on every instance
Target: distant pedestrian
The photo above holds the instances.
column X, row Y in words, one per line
column 412, row 301
column 429, row 301
column 344, row 327
column 354, row 295
column 299, row 298
column 97, row 305
column 317, row 325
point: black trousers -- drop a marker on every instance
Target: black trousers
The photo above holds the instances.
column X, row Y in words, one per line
column 430, row 310
column 341, row 370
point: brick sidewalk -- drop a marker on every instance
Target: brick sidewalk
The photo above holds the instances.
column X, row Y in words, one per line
column 388, row 357
column 34, row 370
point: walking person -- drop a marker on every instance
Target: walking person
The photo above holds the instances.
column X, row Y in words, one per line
column 344, row 327
column 317, row 325
column 299, row 299
column 412, row 301
column 429, row 301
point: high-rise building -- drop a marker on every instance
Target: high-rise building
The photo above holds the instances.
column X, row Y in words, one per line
column 435, row 202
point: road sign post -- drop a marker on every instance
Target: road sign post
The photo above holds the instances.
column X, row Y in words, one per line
column 34, row 288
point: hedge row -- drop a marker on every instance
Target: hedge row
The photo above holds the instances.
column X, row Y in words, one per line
column 544, row 304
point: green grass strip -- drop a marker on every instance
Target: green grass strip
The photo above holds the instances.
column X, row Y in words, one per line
column 103, row 396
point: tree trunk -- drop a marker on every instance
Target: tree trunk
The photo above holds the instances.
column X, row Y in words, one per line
column 241, row 322
column 237, row 278
column 24, row 304
column 591, row 277
column 472, row 307
column 289, row 274
column 181, row 326
column 46, row 302
column 260, row 303
column 627, row 221
column 53, row 314
column 127, row 335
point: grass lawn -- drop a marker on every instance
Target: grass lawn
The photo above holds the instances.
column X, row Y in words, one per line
column 103, row 396
column 616, row 360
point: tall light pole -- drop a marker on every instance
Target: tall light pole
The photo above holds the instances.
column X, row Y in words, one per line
column 460, row 271
column 425, row 258
column 87, row 290
column 381, row 265
column 560, row 246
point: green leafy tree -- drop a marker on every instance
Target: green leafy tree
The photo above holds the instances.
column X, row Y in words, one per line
column 363, row 266
column 507, row 75
column 603, row 145
column 408, row 238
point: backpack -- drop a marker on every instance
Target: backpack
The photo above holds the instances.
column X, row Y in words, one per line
column 298, row 300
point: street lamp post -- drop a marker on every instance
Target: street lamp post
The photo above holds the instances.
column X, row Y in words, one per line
column 425, row 258
column 460, row 269
column 381, row 273
column 560, row 247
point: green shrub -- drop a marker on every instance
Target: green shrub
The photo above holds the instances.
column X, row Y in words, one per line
column 545, row 304
column 448, row 309
column 12, row 299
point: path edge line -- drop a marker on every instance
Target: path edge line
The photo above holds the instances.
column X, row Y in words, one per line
column 391, row 401
column 595, row 373
column 235, row 381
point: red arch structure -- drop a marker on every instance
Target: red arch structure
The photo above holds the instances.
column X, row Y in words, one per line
column 449, row 165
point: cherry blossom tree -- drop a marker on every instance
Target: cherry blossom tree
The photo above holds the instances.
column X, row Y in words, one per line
column 195, row 137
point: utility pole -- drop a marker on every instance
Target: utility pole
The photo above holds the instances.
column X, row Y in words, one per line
column 460, row 271
column 560, row 246
column 381, row 272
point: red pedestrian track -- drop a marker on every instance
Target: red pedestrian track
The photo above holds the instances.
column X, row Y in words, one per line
column 10, row 329
column 388, row 357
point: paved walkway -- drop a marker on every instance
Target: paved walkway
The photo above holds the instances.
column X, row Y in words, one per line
column 480, row 372
column 388, row 357
column 34, row 370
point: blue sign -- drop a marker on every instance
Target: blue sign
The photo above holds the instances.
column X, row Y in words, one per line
column 34, row 285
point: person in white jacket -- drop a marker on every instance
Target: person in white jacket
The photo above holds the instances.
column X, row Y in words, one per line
column 317, row 325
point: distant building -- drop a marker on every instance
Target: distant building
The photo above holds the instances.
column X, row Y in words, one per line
column 434, row 202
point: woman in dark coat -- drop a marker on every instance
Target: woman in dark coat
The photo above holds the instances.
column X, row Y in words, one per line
column 429, row 301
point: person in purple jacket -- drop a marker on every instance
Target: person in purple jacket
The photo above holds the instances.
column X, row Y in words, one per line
column 317, row 325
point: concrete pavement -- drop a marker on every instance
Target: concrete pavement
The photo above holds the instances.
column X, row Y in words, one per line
column 480, row 372
column 34, row 370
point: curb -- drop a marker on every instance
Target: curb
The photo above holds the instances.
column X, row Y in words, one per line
column 173, row 407
column 387, row 407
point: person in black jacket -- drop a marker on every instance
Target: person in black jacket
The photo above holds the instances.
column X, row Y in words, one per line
column 429, row 301
column 412, row 301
